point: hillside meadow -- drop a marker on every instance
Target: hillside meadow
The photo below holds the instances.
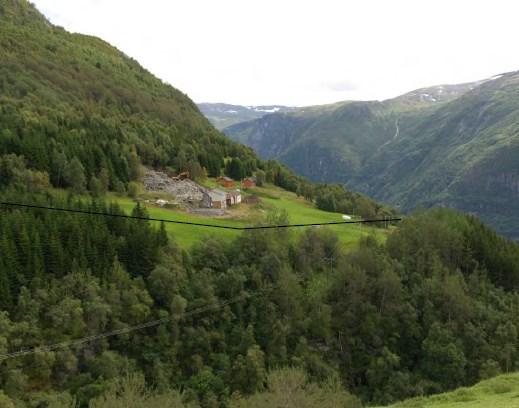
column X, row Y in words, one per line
column 498, row 392
column 272, row 198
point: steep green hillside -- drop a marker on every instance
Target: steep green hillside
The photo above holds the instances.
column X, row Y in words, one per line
column 77, row 113
column 498, row 392
column 448, row 146
column 67, row 97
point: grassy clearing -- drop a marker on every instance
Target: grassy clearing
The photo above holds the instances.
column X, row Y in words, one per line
column 186, row 235
column 498, row 392
column 299, row 211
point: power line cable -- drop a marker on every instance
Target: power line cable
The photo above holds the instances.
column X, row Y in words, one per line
column 153, row 323
column 71, row 210
column 128, row 329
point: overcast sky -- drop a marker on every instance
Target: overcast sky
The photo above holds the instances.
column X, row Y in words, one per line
column 302, row 52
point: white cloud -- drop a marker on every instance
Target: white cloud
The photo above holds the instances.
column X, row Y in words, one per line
column 302, row 52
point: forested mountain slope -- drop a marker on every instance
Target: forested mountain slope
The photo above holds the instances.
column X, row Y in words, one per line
column 66, row 97
column 449, row 146
column 77, row 113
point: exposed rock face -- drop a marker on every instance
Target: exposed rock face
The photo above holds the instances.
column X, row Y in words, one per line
column 185, row 191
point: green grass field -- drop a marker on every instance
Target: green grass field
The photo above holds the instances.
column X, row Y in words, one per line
column 299, row 212
column 302, row 212
column 498, row 392
column 186, row 235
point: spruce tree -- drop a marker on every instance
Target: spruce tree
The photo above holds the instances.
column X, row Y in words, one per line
column 75, row 176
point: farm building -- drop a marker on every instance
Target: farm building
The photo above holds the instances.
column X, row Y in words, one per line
column 225, row 181
column 249, row 182
column 214, row 199
column 252, row 199
column 233, row 198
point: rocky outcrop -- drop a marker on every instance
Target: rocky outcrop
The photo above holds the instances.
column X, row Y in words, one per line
column 185, row 191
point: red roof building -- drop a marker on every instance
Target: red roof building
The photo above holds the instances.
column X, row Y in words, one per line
column 225, row 181
column 249, row 182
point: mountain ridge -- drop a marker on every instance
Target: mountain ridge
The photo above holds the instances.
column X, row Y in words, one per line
column 22, row 12
column 407, row 151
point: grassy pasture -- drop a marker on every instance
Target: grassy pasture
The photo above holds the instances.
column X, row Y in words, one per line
column 299, row 212
column 498, row 392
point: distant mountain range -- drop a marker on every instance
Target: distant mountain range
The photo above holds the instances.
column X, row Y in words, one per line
column 447, row 145
column 223, row 115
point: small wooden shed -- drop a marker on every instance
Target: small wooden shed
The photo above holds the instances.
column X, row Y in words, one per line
column 233, row 198
column 249, row 182
column 215, row 199
column 225, row 181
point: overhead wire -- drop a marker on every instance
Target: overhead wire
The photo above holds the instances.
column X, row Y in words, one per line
column 88, row 339
column 78, row 211
column 157, row 322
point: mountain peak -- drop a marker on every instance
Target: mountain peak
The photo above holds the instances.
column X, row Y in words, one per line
column 434, row 94
column 21, row 12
